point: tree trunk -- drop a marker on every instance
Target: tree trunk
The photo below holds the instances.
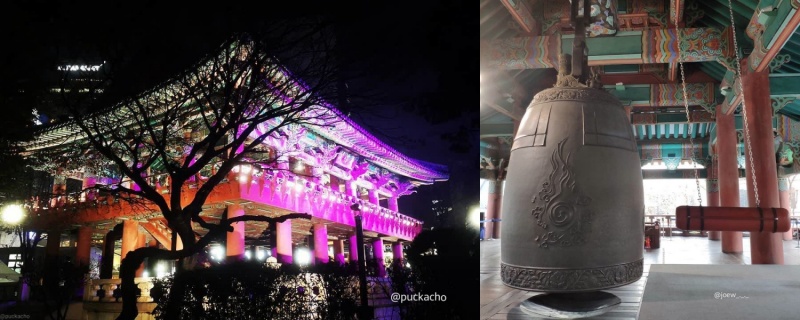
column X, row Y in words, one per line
column 127, row 272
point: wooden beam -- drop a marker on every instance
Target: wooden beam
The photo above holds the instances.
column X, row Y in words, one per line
column 521, row 13
column 508, row 112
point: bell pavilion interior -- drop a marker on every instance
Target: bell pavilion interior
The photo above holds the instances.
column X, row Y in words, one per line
column 700, row 91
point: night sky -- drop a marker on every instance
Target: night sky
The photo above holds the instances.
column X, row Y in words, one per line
column 419, row 55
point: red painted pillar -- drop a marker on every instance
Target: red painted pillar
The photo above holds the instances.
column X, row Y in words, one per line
column 377, row 250
column 786, row 203
column 712, row 188
column 353, row 248
column 765, row 247
column 130, row 237
column 284, row 242
column 728, row 175
column 338, row 251
column 84, row 250
column 493, row 209
column 397, row 251
column 392, row 204
column 141, row 243
column 234, row 240
column 320, row 243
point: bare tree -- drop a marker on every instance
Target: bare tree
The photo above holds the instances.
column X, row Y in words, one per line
column 198, row 126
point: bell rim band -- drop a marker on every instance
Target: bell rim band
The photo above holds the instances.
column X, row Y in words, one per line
column 634, row 271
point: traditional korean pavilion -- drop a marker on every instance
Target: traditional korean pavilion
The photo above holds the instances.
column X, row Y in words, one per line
column 325, row 170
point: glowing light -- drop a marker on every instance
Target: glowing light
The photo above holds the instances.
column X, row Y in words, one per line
column 217, row 253
column 259, row 254
column 13, row 214
column 145, row 274
column 474, row 217
column 247, row 255
column 161, row 269
column 298, row 186
column 302, row 256
column 408, row 265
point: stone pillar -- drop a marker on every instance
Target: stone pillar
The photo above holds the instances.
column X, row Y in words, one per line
column 320, row 243
column 728, row 175
column 83, row 252
column 765, row 247
column 493, row 209
column 353, row 248
column 130, row 237
column 377, row 250
column 234, row 240
column 786, row 203
column 712, row 187
column 397, row 251
column 283, row 248
column 338, row 251
column 392, row 203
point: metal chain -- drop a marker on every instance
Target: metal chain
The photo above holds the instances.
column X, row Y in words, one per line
column 744, row 106
column 686, row 108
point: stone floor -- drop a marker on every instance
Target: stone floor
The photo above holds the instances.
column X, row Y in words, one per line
column 501, row 302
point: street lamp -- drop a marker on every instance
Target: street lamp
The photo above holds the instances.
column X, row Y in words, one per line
column 12, row 215
column 364, row 312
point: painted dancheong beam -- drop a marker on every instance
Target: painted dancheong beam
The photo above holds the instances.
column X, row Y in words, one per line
column 770, row 30
column 521, row 13
column 629, row 47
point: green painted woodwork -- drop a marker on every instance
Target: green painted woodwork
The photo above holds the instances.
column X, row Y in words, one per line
column 784, row 84
column 775, row 20
column 633, row 93
column 624, row 43
column 621, row 68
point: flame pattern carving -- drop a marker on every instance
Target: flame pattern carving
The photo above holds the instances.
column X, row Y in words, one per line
column 561, row 211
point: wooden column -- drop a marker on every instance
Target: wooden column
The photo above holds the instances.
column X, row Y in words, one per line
column 493, row 209
column 130, row 237
column 284, row 242
column 353, row 248
column 377, row 250
column 712, row 187
column 786, row 203
column 320, row 243
column 84, row 250
column 397, row 251
column 765, row 247
column 728, row 175
column 338, row 251
column 141, row 243
column 234, row 240
column 392, row 203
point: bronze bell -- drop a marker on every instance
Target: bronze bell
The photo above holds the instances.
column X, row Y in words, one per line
column 573, row 205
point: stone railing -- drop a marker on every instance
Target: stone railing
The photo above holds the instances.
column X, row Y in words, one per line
column 108, row 290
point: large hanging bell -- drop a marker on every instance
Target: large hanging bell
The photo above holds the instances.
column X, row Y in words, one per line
column 573, row 204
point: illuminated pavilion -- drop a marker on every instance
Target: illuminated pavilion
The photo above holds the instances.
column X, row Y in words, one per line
column 323, row 171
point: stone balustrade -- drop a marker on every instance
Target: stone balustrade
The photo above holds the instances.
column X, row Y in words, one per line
column 108, row 290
